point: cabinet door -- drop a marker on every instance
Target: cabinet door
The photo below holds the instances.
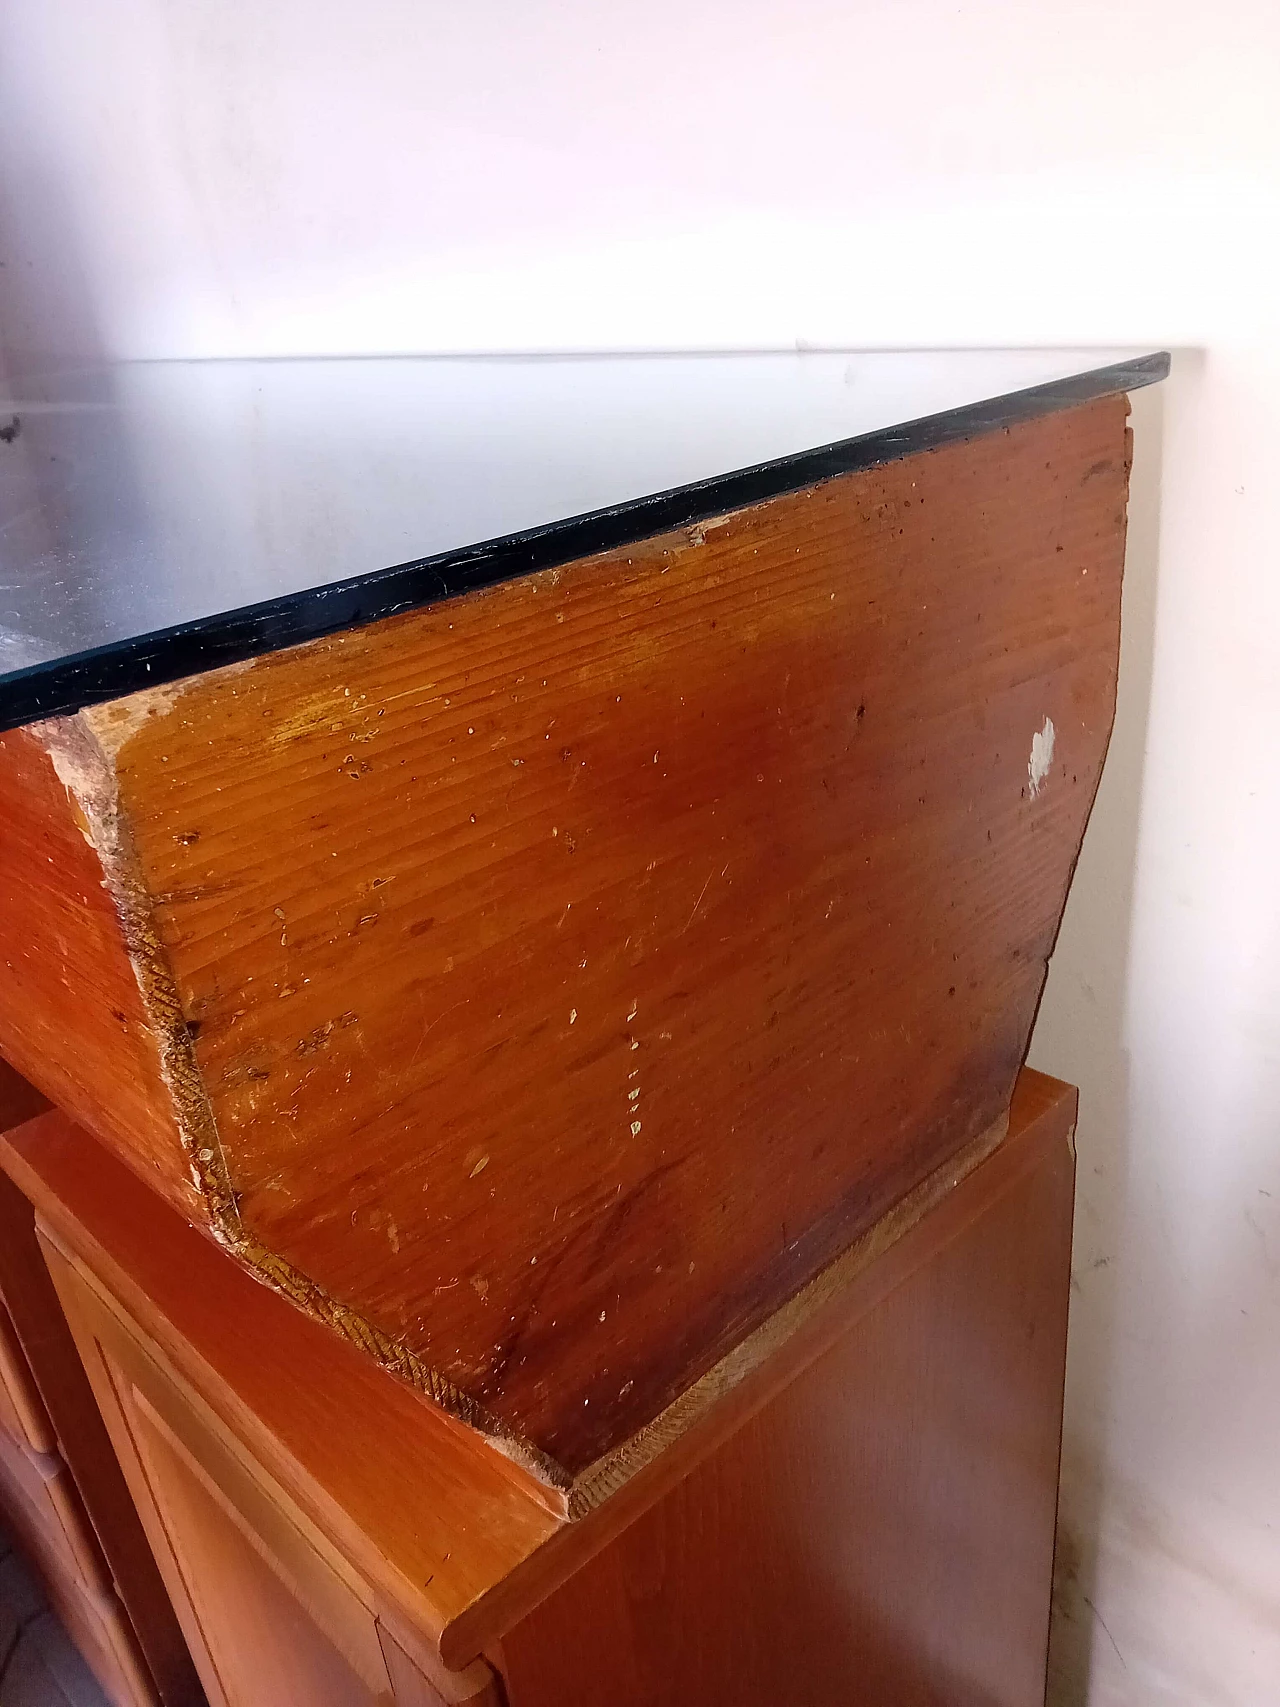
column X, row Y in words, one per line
column 265, row 1635
column 272, row 1611
column 880, row 1533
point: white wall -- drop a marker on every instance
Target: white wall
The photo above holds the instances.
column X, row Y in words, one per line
column 208, row 177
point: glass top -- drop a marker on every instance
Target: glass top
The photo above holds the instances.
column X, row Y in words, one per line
column 159, row 518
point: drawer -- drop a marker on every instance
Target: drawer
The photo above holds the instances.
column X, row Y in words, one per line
column 22, row 1412
column 98, row 1626
column 38, row 1495
column 46, row 1404
column 42, row 1508
column 94, row 1619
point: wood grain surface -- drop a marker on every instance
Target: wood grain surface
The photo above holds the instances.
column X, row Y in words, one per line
column 881, row 1531
column 462, row 1546
column 433, row 1517
column 76, row 1432
column 73, row 1019
column 566, row 973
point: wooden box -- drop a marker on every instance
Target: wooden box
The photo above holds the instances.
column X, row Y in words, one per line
column 545, row 985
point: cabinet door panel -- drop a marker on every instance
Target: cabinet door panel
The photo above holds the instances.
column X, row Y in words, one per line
column 267, row 1618
column 265, row 1644
column 272, row 1610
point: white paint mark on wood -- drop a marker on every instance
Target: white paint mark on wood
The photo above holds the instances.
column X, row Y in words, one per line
column 1041, row 755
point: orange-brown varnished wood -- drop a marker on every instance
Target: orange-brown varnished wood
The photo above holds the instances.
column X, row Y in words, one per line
column 49, row 1491
column 92, row 1551
column 72, row 1017
column 274, row 1610
column 406, row 1497
column 571, row 970
column 91, row 1613
column 22, row 1410
column 258, row 1625
column 69, row 1424
column 881, row 1532
column 19, row 1099
column 432, row 1516
column 414, row 1689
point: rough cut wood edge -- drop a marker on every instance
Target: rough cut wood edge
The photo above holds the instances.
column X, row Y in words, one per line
column 85, row 766
column 87, row 773
column 72, row 1018
column 609, row 1473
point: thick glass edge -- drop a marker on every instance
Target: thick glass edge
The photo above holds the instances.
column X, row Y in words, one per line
column 63, row 686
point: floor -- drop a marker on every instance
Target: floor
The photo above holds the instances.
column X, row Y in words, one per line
column 38, row 1665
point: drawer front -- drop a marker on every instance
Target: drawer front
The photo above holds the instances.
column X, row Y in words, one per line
column 66, row 1412
column 98, row 1626
column 22, row 1412
column 40, row 1506
column 38, row 1492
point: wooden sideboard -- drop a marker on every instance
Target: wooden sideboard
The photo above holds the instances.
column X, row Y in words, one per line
column 868, row 1516
column 530, row 929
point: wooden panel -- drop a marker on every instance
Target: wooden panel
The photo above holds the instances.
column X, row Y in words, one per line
column 22, row 1410
column 264, row 1641
column 72, row 1016
column 325, row 1585
column 297, row 1396
column 10, row 1422
column 571, row 970
column 260, row 1643
column 449, row 1553
column 54, row 1362
column 881, row 1532
column 476, row 1687
column 264, row 1595
column 94, row 1619
column 51, row 1494
column 410, row 1686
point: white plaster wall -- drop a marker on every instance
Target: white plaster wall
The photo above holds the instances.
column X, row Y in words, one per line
column 210, row 177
